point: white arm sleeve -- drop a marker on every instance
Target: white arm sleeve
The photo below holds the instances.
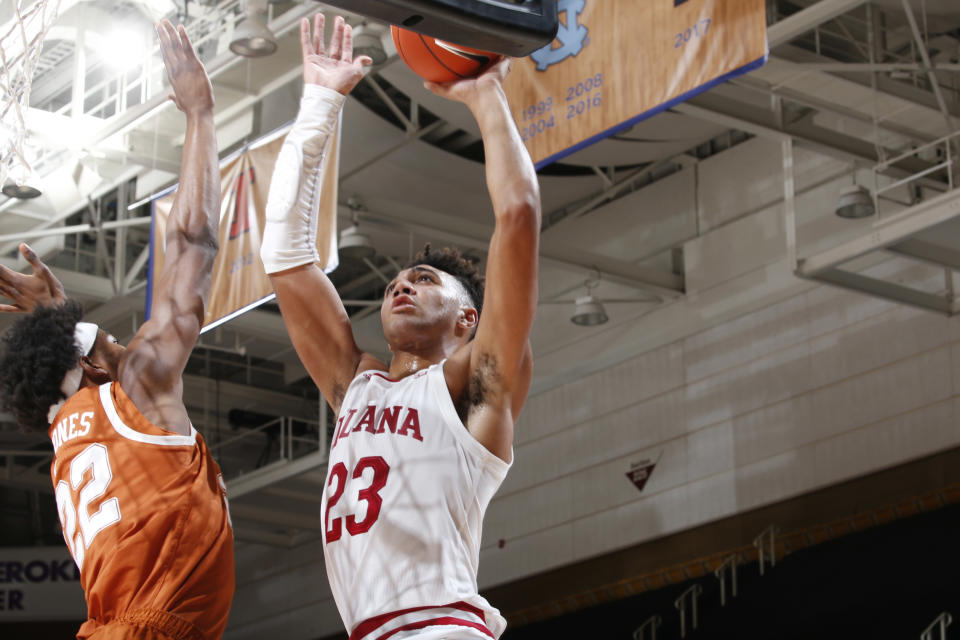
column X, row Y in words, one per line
column 293, row 203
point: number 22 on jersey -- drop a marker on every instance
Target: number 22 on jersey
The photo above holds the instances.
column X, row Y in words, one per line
column 370, row 495
column 93, row 459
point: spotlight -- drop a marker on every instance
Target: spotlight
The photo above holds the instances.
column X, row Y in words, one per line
column 22, row 184
column 355, row 245
column 252, row 38
column 588, row 312
column 20, row 191
column 855, row 202
column 123, row 49
column 367, row 42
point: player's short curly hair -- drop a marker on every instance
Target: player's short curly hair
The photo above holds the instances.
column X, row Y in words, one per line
column 35, row 355
column 451, row 261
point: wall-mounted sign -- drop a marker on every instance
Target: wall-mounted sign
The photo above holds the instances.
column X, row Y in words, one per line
column 641, row 471
column 39, row 583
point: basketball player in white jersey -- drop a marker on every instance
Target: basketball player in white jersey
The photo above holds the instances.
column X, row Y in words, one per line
column 424, row 441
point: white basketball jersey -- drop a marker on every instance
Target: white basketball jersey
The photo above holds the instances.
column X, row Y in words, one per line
column 407, row 487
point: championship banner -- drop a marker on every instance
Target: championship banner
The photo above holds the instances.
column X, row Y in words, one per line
column 617, row 62
column 40, row 583
column 239, row 280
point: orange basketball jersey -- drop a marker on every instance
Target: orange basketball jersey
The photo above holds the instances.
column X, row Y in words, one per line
column 144, row 513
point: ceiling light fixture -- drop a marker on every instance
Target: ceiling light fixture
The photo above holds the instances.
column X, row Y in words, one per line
column 354, row 244
column 855, row 202
column 123, row 49
column 20, row 191
column 252, row 38
column 588, row 312
column 23, row 184
column 367, row 41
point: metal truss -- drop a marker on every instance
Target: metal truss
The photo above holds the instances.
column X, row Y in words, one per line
column 897, row 233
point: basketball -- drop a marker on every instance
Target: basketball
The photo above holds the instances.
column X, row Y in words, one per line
column 439, row 61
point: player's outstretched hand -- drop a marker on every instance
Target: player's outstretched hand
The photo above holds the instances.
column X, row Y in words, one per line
column 192, row 91
column 333, row 67
column 468, row 89
column 27, row 292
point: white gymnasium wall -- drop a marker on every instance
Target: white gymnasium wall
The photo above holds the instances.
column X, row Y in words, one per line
column 807, row 392
column 754, row 388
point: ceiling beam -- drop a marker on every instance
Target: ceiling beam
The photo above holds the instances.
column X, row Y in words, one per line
column 874, row 67
column 159, row 102
column 820, row 104
column 608, row 193
column 66, row 212
column 928, row 252
column 763, row 122
column 661, row 283
column 806, row 19
column 925, row 56
column 886, row 290
column 731, row 118
column 76, row 228
column 224, row 61
column 893, row 230
column 884, row 84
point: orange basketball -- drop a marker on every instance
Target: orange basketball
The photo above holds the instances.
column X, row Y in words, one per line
column 439, row 61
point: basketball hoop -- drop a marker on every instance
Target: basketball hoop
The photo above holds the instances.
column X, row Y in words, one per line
column 21, row 40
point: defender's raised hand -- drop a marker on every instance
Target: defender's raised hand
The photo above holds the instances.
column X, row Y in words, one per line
column 192, row 91
column 27, row 292
column 333, row 67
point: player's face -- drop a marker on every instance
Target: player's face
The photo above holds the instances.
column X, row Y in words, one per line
column 106, row 353
column 421, row 303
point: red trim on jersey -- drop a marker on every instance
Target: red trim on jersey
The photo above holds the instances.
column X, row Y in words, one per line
column 370, row 624
column 378, row 374
column 438, row 621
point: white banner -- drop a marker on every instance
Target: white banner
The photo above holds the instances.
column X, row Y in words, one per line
column 39, row 583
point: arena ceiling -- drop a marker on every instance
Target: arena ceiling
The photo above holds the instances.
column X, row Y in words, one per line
column 410, row 173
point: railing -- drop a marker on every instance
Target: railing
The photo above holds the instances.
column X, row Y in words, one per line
column 203, row 30
column 941, row 147
column 847, row 28
column 721, row 572
column 640, row 633
column 766, row 545
column 942, row 621
column 680, row 604
column 282, row 429
column 111, row 96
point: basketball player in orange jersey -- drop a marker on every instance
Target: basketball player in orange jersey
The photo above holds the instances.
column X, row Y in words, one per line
column 422, row 442
column 141, row 501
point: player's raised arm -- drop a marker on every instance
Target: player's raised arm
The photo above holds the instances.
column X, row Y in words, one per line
column 312, row 311
column 151, row 369
column 27, row 292
column 500, row 362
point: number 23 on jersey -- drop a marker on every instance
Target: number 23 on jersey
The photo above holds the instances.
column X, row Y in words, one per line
column 370, row 495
